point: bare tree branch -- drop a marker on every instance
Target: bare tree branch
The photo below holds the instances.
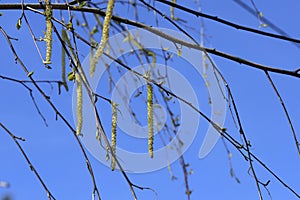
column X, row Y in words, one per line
column 22, row 82
column 285, row 111
column 159, row 33
column 32, row 168
column 228, row 23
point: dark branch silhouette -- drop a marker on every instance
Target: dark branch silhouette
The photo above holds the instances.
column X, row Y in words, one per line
column 70, row 49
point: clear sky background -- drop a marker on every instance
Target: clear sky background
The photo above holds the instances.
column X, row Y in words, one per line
column 59, row 161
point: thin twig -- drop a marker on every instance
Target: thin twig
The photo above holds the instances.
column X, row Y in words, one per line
column 31, row 96
column 169, row 20
column 32, row 168
column 246, row 142
column 228, row 23
column 253, row 156
column 266, row 21
column 33, row 36
column 285, row 111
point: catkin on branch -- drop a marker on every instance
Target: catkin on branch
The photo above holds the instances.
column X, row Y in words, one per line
column 114, row 135
column 79, row 104
column 63, row 62
column 48, row 36
column 150, row 118
column 104, row 38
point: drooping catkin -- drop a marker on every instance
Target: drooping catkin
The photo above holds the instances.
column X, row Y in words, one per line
column 172, row 10
column 104, row 38
column 150, row 117
column 63, row 62
column 78, row 104
column 114, row 134
column 67, row 41
column 107, row 153
column 48, row 34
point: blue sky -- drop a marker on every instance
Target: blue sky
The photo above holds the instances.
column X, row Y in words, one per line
column 59, row 161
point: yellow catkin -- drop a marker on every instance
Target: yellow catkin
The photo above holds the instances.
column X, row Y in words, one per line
column 104, row 38
column 48, row 36
column 150, row 118
column 79, row 104
column 114, row 134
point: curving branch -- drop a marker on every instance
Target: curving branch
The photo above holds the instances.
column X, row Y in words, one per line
column 228, row 23
column 285, row 111
column 157, row 32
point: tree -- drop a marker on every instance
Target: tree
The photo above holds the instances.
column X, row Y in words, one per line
column 154, row 84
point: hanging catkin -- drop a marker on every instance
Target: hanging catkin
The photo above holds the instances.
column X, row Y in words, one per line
column 104, row 38
column 150, row 117
column 48, row 36
column 114, row 135
column 78, row 104
column 172, row 10
column 63, row 62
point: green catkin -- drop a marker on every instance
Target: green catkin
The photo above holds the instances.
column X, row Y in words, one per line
column 150, row 118
column 69, row 46
column 114, row 135
column 48, row 36
column 98, row 136
column 63, row 62
column 107, row 153
column 79, row 104
column 68, row 43
column 104, row 38
column 172, row 10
